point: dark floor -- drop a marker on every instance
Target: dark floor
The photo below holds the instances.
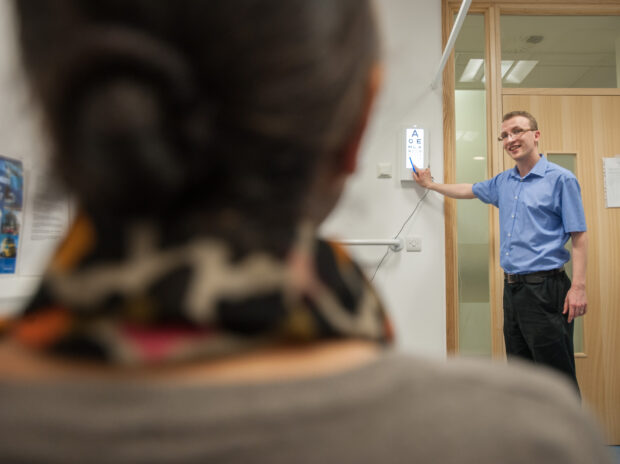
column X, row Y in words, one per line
column 615, row 452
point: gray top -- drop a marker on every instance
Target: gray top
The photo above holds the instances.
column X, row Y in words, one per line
column 396, row 409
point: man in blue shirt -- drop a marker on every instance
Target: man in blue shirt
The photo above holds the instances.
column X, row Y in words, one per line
column 540, row 208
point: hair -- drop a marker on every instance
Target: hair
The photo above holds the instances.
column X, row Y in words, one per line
column 525, row 114
column 217, row 112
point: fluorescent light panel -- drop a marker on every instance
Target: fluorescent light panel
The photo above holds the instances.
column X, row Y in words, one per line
column 520, row 71
column 506, row 64
column 471, row 69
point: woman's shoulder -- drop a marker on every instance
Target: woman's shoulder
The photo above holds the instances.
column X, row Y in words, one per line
column 513, row 407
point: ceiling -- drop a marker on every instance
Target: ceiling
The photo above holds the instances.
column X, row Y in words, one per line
column 563, row 51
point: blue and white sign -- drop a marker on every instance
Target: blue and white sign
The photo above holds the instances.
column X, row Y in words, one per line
column 11, row 204
column 413, row 151
column 414, row 147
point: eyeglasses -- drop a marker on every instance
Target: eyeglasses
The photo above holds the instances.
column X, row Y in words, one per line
column 515, row 134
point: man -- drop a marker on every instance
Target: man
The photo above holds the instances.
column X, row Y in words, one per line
column 540, row 207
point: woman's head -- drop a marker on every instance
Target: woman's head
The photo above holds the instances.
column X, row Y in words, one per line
column 215, row 112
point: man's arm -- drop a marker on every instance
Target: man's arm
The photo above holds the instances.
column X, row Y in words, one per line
column 576, row 302
column 461, row 191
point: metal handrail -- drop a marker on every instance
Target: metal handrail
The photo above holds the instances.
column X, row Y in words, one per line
column 395, row 244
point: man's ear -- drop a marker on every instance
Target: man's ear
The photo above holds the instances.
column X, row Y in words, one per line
column 351, row 149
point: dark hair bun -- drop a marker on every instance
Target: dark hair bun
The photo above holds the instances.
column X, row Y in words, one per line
column 129, row 116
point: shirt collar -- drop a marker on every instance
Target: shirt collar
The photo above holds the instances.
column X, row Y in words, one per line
column 539, row 169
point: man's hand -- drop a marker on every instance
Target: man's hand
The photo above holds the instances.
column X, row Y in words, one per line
column 576, row 303
column 423, row 177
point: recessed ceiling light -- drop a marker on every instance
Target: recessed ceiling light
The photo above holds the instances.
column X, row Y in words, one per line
column 520, row 71
column 506, row 64
column 479, row 158
column 472, row 68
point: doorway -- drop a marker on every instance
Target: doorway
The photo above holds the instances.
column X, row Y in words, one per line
column 587, row 126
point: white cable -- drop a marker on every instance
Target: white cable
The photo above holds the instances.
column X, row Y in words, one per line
column 401, row 229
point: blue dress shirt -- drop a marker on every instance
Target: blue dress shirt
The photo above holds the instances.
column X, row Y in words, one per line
column 537, row 213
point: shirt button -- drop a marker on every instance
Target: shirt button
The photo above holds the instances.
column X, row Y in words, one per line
column 512, row 216
column 516, row 198
column 509, row 234
column 506, row 253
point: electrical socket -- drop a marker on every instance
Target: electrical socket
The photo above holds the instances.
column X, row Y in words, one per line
column 414, row 244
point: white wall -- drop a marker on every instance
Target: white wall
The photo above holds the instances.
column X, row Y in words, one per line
column 411, row 284
column 18, row 139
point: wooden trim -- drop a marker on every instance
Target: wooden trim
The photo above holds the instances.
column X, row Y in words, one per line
column 452, row 303
column 528, row 4
column 496, row 275
column 561, row 92
column 564, row 10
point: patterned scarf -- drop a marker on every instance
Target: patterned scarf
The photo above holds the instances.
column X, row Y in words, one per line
column 154, row 304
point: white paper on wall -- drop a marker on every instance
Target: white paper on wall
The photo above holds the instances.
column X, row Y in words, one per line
column 47, row 220
column 611, row 173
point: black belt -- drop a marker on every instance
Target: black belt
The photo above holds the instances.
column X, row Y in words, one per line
column 532, row 278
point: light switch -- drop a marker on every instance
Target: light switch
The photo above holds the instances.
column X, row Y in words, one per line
column 414, row 244
column 384, row 170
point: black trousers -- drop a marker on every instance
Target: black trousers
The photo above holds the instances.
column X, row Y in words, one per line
column 534, row 326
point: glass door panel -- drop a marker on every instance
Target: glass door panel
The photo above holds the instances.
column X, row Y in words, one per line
column 471, row 166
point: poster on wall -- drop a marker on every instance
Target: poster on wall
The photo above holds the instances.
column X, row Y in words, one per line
column 611, row 173
column 11, row 207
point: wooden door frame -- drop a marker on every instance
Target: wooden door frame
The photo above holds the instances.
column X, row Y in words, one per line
column 492, row 9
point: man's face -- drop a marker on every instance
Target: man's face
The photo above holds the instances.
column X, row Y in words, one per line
column 520, row 142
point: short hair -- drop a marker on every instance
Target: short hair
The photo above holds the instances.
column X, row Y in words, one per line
column 525, row 114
